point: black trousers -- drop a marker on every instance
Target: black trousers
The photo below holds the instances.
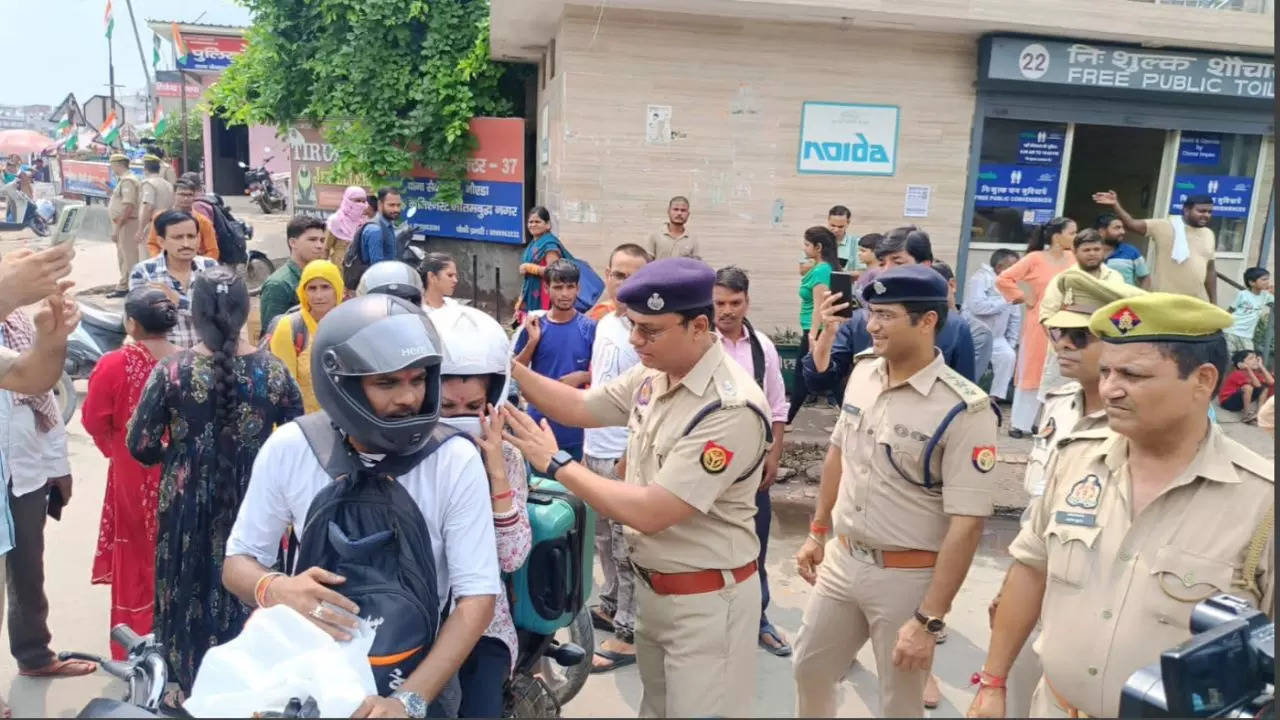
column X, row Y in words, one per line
column 799, row 391
column 29, row 636
column 483, row 675
column 1235, row 403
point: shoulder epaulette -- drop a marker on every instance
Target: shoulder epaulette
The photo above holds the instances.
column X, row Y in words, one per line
column 1070, row 388
column 1096, row 434
column 972, row 395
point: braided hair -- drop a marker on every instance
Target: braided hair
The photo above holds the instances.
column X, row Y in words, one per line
column 219, row 309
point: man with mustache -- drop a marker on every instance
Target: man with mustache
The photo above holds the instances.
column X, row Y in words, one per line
column 1069, row 408
column 1138, row 522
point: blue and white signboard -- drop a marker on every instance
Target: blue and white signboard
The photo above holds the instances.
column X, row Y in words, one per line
column 848, row 139
column 1031, row 188
column 1231, row 194
column 490, row 210
column 1040, row 147
column 1200, row 149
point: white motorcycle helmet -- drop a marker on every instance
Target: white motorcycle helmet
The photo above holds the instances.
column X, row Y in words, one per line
column 474, row 344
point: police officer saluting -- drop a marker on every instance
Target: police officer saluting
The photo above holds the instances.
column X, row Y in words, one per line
column 906, row 480
column 697, row 436
column 1138, row 522
column 1072, row 407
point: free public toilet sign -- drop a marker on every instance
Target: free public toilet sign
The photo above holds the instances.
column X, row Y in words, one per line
column 848, row 139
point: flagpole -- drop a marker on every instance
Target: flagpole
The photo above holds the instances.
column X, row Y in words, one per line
column 141, row 56
column 111, row 77
column 182, row 95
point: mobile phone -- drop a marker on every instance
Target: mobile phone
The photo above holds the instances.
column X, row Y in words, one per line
column 842, row 282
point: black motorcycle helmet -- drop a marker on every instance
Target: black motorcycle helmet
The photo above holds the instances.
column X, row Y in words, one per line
column 392, row 277
column 372, row 335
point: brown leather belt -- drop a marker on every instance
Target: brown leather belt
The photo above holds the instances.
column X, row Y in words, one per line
column 896, row 559
column 1071, row 710
column 692, row 583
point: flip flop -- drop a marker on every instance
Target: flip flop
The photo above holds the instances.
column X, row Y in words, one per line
column 616, row 658
column 599, row 621
column 781, row 650
column 62, row 668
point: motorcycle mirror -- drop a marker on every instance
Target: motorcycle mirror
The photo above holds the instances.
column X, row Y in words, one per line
column 241, row 164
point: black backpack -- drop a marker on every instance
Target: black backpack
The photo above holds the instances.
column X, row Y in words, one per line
column 231, row 236
column 366, row 527
column 354, row 263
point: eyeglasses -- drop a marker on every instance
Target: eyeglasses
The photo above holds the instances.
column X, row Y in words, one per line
column 1078, row 337
column 649, row 335
column 618, row 275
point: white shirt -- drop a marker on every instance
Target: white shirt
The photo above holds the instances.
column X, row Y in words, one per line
column 448, row 303
column 984, row 304
column 31, row 457
column 450, row 488
column 611, row 355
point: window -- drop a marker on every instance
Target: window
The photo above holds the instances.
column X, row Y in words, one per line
column 1224, row 166
column 1019, row 170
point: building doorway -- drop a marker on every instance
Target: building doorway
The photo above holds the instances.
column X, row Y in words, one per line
column 228, row 147
column 1106, row 157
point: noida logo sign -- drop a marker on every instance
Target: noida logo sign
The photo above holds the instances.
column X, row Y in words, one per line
column 848, row 139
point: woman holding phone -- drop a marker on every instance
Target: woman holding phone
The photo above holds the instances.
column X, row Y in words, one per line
column 819, row 247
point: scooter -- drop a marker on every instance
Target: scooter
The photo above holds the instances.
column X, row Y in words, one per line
column 100, row 331
column 37, row 216
column 260, row 186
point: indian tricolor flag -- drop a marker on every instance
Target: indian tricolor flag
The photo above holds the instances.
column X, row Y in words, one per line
column 109, row 20
column 179, row 45
column 162, row 121
column 68, row 134
column 110, row 129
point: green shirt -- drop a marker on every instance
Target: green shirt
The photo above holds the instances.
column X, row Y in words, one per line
column 279, row 292
column 819, row 274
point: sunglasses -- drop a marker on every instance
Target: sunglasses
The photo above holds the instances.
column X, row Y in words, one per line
column 1079, row 337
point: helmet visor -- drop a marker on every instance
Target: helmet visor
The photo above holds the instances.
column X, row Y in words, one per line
column 388, row 345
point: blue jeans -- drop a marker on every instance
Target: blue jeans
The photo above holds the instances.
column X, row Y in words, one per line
column 764, row 517
column 482, row 677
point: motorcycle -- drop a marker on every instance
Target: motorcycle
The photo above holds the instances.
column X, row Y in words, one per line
column 37, row 216
column 261, row 187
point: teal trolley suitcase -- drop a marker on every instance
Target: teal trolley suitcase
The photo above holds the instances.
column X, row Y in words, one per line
column 554, row 583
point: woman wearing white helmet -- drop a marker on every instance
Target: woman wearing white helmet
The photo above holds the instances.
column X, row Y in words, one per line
column 474, row 377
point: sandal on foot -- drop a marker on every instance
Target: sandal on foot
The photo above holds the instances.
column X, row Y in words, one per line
column 782, row 649
column 616, row 660
column 600, row 622
column 62, row 668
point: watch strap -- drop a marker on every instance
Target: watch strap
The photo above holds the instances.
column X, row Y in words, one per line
column 927, row 621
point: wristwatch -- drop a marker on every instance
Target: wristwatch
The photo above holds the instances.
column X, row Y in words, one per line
column 559, row 460
column 415, row 706
column 932, row 624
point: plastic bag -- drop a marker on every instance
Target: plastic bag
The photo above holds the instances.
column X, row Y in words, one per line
column 281, row 655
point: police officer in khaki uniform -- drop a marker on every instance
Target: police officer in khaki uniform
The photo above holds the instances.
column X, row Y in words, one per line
column 1138, row 522
column 123, row 210
column 698, row 433
column 907, row 482
column 1069, row 408
column 155, row 196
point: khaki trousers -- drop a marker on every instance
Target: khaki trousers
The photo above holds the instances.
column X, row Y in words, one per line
column 1043, row 705
column 126, row 240
column 853, row 602
column 697, row 653
column 1023, row 677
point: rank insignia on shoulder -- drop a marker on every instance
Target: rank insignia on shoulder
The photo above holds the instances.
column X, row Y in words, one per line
column 1048, row 430
column 984, row 457
column 1085, row 492
column 645, row 393
column 715, row 458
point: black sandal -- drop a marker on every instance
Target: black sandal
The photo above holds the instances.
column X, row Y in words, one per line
column 600, row 622
column 616, row 660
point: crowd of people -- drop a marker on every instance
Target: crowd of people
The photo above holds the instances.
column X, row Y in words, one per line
column 656, row 402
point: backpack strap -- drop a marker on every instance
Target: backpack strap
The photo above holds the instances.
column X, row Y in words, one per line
column 715, row 405
column 757, row 353
column 327, row 444
column 300, row 331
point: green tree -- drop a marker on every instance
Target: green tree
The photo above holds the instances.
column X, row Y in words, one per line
column 171, row 139
column 392, row 82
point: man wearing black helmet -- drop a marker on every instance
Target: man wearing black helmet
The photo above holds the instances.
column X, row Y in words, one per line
column 376, row 369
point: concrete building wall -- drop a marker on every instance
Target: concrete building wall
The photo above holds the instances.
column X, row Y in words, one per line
column 736, row 92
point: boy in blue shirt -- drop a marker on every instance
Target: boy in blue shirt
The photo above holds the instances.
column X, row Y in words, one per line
column 1251, row 305
column 1124, row 258
column 558, row 344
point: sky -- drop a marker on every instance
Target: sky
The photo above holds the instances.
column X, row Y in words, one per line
column 65, row 49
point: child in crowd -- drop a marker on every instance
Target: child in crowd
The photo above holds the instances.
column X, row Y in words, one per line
column 1246, row 386
column 1251, row 305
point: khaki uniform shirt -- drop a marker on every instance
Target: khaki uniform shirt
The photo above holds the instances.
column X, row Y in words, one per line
column 1120, row 589
column 1061, row 415
column 662, row 245
column 158, row 193
column 125, row 193
column 702, row 467
column 166, row 172
column 882, row 432
column 1185, row 278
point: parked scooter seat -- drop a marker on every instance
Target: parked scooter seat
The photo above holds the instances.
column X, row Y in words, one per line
column 101, row 318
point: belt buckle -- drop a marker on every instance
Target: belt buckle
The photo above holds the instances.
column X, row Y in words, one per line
column 866, row 554
column 643, row 575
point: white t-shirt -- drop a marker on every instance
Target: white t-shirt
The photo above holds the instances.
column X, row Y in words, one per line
column 450, row 488
column 611, row 355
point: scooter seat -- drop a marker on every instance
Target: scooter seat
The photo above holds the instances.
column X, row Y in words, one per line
column 102, row 319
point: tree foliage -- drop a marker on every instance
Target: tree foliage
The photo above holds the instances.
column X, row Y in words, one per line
column 171, row 139
column 392, row 82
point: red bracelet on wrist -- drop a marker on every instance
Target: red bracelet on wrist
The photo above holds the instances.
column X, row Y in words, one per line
column 503, row 495
column 986, row 679
column 818, row 529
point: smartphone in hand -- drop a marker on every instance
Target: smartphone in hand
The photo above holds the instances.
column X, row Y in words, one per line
column 842, row 282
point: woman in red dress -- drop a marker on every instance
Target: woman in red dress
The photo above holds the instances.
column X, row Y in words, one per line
column 126, row 554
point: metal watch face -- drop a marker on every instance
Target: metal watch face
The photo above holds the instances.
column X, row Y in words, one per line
column 414, row 704
column 934, row 625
